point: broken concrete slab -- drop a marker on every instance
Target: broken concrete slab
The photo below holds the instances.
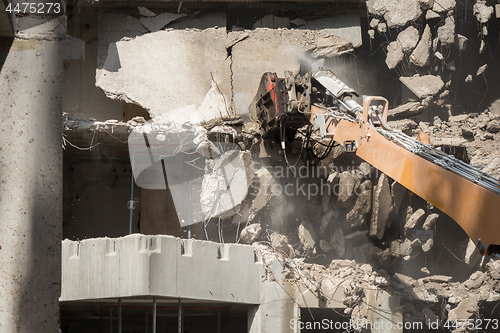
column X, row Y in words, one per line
column 382, row 27
column 408, row 39
column 382, row 203
column 442, row 6
column 348, row 182
column 415, row 221
column 347, row 27
column 466, row 309
column 250, row 233
column 423, row 86
column 430, row 221
column 394, row 55
column 407, row 110
column 396, row 13
column 114, row 27
column 421, row 54
column 472, row 255
column 158, row 22
column 357, row 215
column 446, row 32
column 398, row 192
column 307, row 236
column 374, row 22
column 156, row 80
column 482, row 11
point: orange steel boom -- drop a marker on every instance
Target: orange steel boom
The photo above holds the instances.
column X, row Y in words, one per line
column 467, row 195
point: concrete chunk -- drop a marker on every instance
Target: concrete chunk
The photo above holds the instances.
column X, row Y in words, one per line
column 415, row 221
column 408, row 39
column 250, row 233
column 430, row 221
column 307, row 236
column 446, row 32
column 421, row 54
column 482, row 12
column 423, row 86
column 394, row 55
column 382, row 203
column 407, row 110
column 430, row 14
column 362, row 206
column 397, row 13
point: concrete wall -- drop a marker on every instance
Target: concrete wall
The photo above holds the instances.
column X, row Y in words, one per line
column 139, row 265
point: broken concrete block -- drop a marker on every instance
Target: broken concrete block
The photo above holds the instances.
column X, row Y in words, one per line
column 482, row 11
column 466, row 309
column 442, row 6
column 382, row 27
column 307, row 236
column 427, row 246
column 446, row 32
column 398, row 192
column 336, row 243
column 250, row 233
column 475, row 280
column 157, row 23
column 423, row 86
column 394, row 55
column 356, row 216
column 415, row 221
column 273, row 22
column 348, row 182
column 472, row 255
column 371, row 33
column 264, row 194
column 482, row 46
column 407, row 110
column 408, row 39
column 430, row 221
column 158, row 79
column 396, row 13
column 421, row 54
column 430, row 14
column 280, row 243
column 382, row 203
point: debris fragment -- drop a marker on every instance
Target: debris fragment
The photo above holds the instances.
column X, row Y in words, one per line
column 446, row 32
column 408, row 39
column 421, row 54
column 382, row 203
column 250, row 233
column 394, row 55
column 482, row 11
column 423, row 86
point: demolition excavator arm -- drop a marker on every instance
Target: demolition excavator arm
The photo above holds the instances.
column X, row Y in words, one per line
column 463, row 192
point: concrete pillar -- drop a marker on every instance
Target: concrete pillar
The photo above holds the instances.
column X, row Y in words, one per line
column 31, row 177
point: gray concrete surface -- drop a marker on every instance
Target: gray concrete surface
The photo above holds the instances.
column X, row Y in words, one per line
column 31, row 186
column 139, row 265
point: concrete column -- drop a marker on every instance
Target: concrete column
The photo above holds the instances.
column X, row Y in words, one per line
column 31, row 178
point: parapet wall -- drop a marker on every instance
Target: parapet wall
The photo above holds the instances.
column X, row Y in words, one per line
column 139, row 265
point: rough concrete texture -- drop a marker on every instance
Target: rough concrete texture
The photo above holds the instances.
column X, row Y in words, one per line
column 423, row 86
column 31, row 88
column 415, row 221
column 347, row 27
column 398, row 192
column 442, row 6
column 250, row 233
column 382, row 204
column 430, row 14
column 482, row 11
column 421, row 55
column 446, row 32
column 152, row 78
column 408, row 39
column 356, row 216
column 396, row 13
column 394, row 54
column 307, row 236
column 405, row 111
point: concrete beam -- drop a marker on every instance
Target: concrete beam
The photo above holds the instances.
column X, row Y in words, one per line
column 139, row 265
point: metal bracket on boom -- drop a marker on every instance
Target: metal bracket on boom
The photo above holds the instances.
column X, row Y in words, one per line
column 350, row 146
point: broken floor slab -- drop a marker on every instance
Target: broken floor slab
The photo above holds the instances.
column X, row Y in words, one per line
column 397, row 13
column 161, row 80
